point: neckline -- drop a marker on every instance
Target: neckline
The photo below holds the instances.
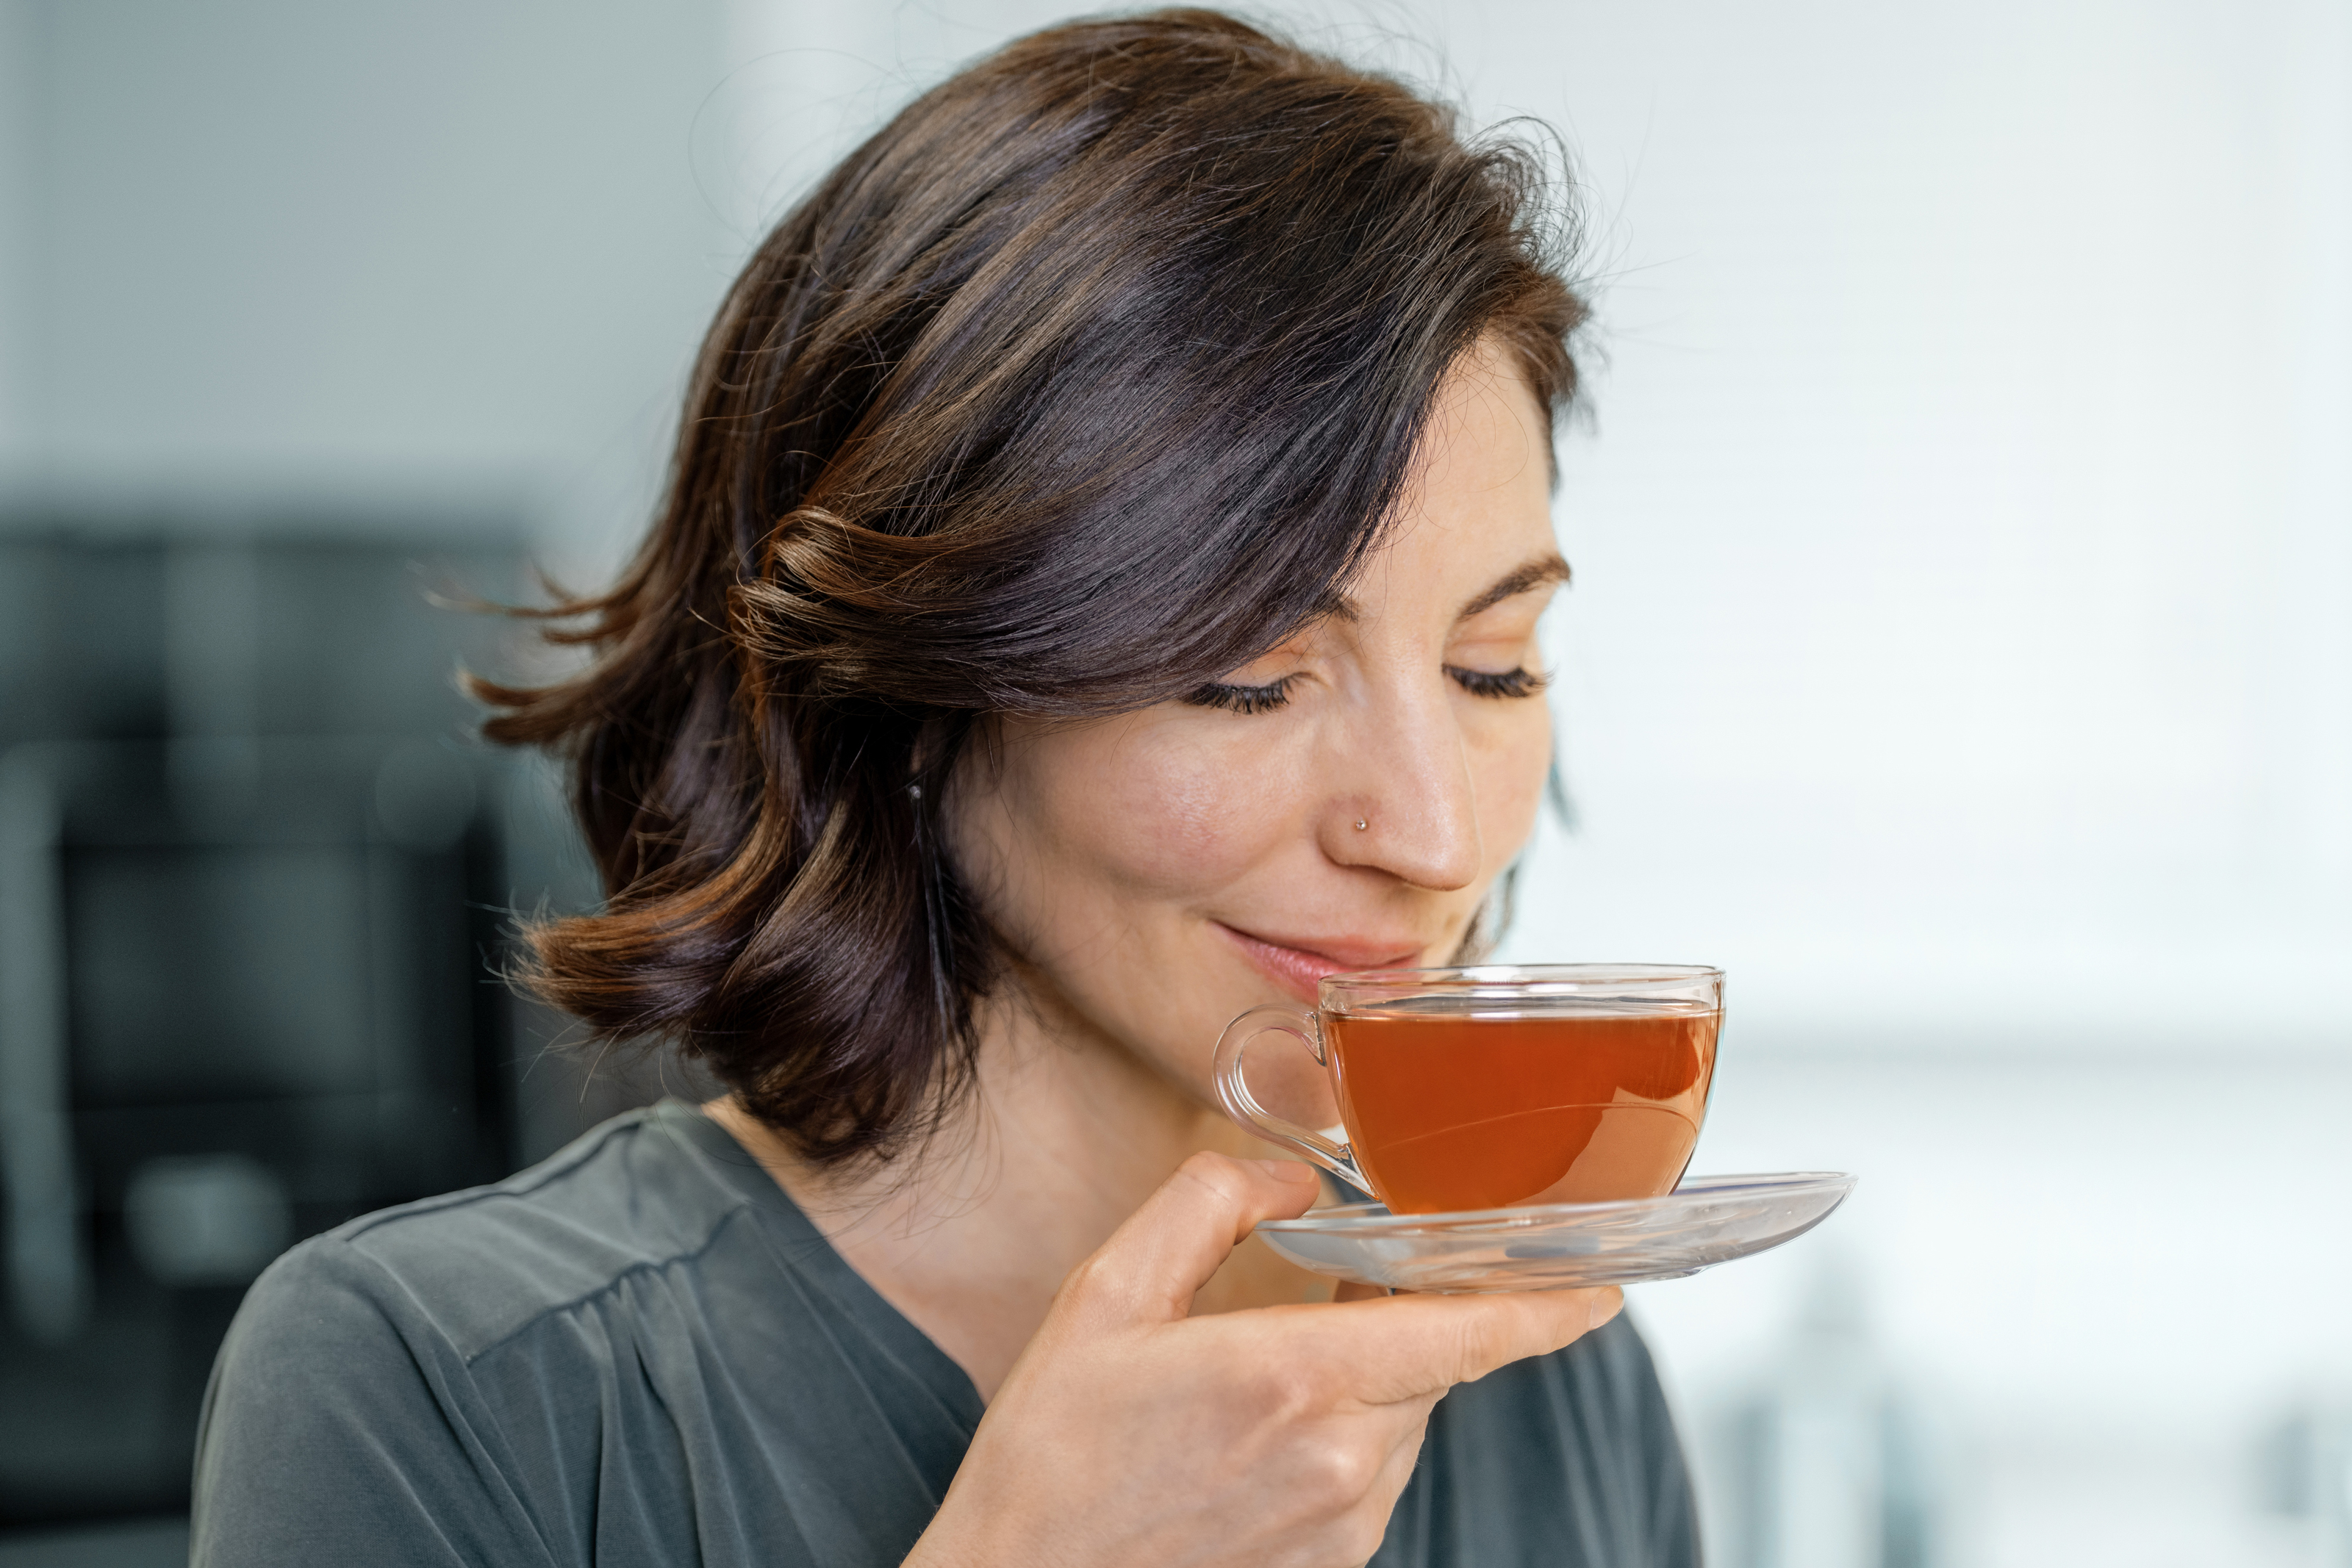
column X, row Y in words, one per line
column 805, row 1248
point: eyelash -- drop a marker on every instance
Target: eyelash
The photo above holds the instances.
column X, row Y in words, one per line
column 1521, row 682
column 1243, row 699
column 1267, row 698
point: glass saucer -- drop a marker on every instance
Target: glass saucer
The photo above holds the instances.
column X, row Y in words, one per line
column 1561, row 1246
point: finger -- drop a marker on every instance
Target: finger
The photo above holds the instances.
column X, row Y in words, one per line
column 1397, row 1470
column 1152, row 1265
column 1406, row 1348
column 1371, row 1513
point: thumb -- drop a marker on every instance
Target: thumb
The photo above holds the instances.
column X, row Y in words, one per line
column 1167, row 1249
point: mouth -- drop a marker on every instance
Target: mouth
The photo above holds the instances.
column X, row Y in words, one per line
column 1297, row 965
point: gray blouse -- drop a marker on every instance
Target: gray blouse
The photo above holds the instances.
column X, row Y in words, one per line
column 640, row 1354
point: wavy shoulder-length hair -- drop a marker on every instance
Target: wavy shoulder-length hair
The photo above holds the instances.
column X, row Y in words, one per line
column 1084, row 381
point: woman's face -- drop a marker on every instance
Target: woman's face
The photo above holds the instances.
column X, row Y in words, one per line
column 1158, row 872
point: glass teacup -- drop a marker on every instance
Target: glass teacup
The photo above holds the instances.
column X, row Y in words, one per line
column 1499, row 1086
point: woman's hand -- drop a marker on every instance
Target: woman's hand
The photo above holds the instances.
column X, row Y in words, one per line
column 1132, row 1436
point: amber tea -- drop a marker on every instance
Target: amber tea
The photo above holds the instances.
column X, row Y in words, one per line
column 1492, row 1088
column 1459, row 1110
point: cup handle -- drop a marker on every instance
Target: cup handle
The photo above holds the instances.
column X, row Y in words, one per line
column 1233, row 1089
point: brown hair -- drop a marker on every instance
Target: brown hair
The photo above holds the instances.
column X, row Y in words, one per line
column 1084, row 381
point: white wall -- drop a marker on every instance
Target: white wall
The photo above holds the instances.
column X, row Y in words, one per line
column 1967, row 549
column 20, row 103
column 355, row 258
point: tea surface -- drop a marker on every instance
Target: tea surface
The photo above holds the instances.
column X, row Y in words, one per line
column 1446, row 1110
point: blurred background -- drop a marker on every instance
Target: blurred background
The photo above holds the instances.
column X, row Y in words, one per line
column 1961, row 655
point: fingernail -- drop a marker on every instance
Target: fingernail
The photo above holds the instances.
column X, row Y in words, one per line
column 1606, row 1304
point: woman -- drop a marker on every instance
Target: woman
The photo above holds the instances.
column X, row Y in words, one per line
column 1096, row 594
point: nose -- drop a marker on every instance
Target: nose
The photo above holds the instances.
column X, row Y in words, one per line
column 1407, row 778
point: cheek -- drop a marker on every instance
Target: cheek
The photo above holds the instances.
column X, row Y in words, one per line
column 1145, row 808
column 1163, row 813
column 1512, row 759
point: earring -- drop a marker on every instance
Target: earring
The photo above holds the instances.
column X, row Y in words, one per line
column 1362, row 824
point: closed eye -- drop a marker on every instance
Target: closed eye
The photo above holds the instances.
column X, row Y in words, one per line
column 1519, row 683
column 1243, row 699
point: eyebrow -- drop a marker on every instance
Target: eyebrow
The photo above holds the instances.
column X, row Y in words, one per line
column 1536, row 574
column 1334, row 605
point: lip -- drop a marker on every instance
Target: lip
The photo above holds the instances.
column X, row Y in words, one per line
column 1298, row 964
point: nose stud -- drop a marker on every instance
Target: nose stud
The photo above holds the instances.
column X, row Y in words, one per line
column 1362, row 824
